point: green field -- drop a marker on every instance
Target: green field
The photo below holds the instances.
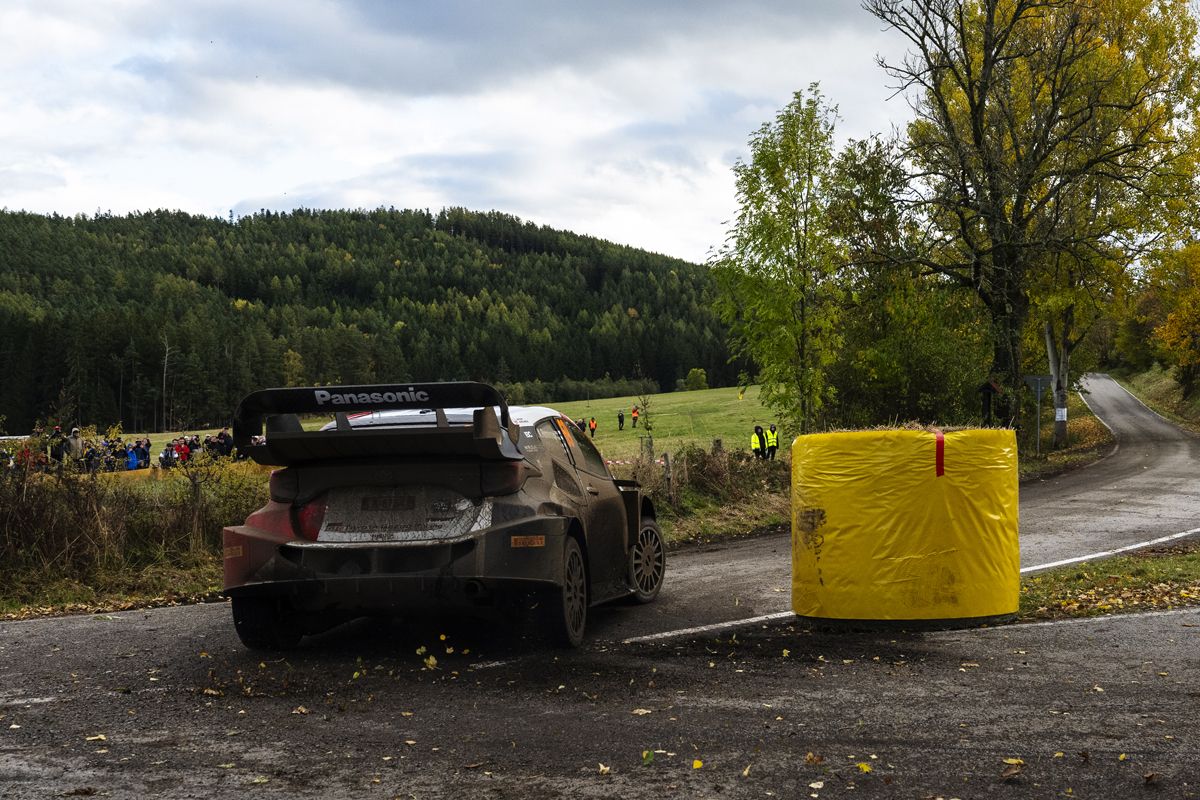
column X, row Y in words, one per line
column 678, row 418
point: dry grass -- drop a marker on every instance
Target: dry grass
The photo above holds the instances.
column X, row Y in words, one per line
column 73, row 538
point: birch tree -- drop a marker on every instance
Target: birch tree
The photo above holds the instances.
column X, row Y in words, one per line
column 778, row 270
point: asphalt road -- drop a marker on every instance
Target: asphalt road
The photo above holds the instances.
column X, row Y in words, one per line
column 1149, row 487
column 166, row 703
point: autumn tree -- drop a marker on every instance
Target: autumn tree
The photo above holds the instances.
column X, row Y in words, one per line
column 1031, row 117
column 1178, row 336
column 777, row 272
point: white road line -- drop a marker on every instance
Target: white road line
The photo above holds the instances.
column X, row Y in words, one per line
column 1104, row 618
column 714, row 628
column 780, row 615
column 1142, row 403
column 1107, row 553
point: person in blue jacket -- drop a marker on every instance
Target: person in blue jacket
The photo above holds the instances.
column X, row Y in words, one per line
column 131, row 458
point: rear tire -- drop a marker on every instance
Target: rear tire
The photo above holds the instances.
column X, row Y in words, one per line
column 567, row 605
column 647, row 563
column 265, row 623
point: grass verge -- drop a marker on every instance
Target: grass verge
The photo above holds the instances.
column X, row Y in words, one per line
column 117, row 590
column 1154, row 579
column 708, row 519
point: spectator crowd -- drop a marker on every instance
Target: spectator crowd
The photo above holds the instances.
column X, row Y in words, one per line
column 52, row 450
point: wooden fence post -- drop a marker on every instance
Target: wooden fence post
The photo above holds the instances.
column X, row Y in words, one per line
column 667, row 475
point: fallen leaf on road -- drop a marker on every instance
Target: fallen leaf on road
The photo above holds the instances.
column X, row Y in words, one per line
column 1010, row 772
column 299, row 710
column 641, row 712
column 811, row 758
column 213, row 692
column 1152, row 778
column 99, row 737
column 260, row 779
column 1059, row 754
column 697, row 763
column 647, row 758
column 225, row 766
column 863, row 767
column 817, row 785
column 746, row 771
column 1122, row 757
column 604, row 770
column 1015, row 762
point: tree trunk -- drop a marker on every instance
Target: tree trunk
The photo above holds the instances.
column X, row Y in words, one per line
column 1006, row 363
column 1058, row 355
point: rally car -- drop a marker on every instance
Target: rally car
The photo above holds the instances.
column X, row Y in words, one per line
column 428, row 498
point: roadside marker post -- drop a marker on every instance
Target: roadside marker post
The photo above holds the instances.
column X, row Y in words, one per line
column 1038, row 383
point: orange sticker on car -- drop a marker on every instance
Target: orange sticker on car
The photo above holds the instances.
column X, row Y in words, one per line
column 565, row 430
column 529, row 541
column 233, row 552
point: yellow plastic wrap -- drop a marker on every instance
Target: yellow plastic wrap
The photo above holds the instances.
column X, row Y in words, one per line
column 905, row 525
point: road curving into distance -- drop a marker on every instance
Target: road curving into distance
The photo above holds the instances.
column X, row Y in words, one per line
column 1148, row 488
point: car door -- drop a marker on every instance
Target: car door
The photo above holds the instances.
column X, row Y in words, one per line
column 606, row 523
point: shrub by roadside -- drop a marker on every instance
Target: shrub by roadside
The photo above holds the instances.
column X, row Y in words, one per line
column 72, row 537
column 714, row 494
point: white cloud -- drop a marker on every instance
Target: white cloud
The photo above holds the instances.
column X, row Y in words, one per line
column 622, row 123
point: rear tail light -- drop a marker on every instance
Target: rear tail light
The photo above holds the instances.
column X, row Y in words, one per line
column 309, row 517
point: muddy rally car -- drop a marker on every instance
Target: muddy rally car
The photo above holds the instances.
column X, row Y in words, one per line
column 430, row 498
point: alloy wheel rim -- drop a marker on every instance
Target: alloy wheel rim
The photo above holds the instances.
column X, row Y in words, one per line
column 575, row 592
column 647, row 561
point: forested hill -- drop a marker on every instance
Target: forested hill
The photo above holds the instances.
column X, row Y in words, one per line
column 89, row 306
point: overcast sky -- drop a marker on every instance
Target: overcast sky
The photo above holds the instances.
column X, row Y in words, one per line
column 616, row 119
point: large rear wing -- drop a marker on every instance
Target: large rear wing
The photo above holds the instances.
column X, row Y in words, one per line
column 492, row 434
